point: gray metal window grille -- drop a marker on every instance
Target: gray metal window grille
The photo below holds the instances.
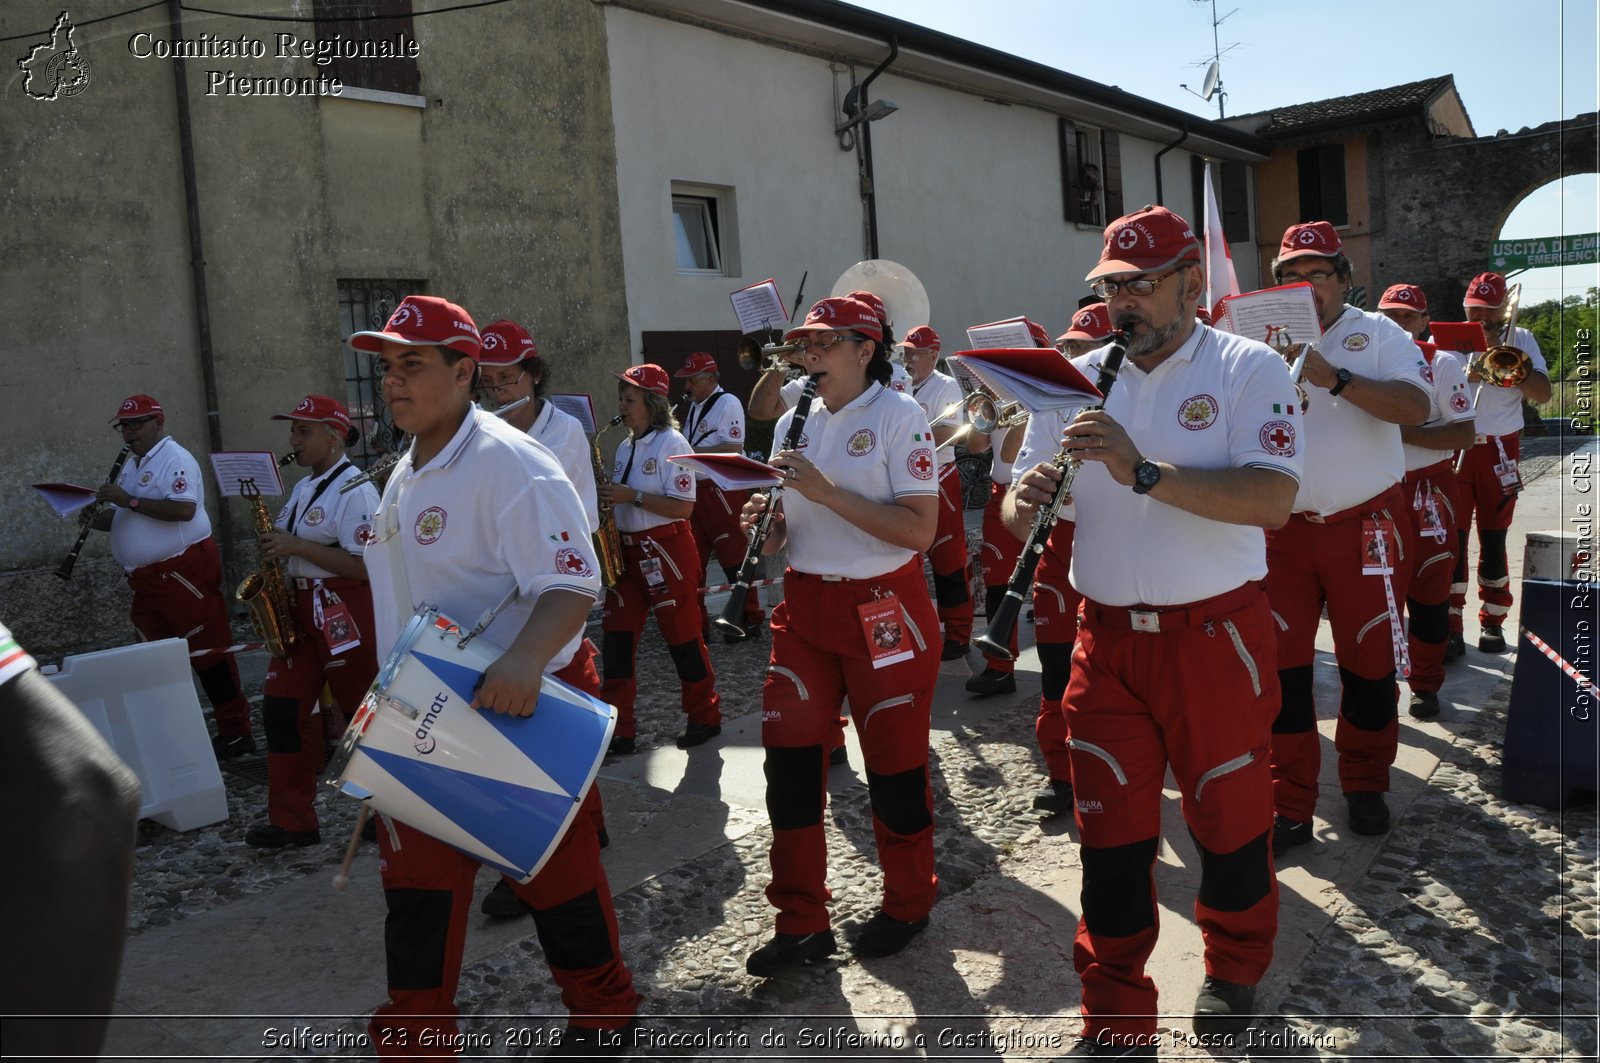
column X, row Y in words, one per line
column 367, row 304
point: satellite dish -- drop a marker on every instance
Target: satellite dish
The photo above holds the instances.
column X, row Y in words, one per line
column 902, row 293
column 1212, row 83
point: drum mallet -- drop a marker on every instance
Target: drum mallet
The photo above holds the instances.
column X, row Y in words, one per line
column 342, row 880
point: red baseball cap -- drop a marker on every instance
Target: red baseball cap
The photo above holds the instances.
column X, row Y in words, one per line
column 136, row 406
column 506, row 343
column 874, row 302
column 649, row 376
column 1310, row 238
column 842, row 314
column 1146, row 241
column 921, row 337
column 697, row 363
column 1036, row 330
column 1404, row 297
column 1093, row 322
column 425, row 321
column 1486, row 289
column 320, row 408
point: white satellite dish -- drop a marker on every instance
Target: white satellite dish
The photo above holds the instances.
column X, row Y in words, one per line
column 1212, row 83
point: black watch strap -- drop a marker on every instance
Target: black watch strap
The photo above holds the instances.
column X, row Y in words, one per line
column 1341, row 379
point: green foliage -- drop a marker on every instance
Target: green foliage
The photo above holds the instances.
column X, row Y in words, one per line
column 1558, row 324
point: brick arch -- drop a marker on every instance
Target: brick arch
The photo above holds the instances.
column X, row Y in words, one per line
column 1445, row 200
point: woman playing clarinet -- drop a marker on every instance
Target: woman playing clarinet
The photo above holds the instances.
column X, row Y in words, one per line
column 858, row 505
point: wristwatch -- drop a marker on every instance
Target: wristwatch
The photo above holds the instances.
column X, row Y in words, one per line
column 638, row 499
column 1146, row 475
column 1341, row 378
column 133, row 503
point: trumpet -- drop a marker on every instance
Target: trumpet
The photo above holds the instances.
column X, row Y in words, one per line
column 767, row 357
column 987, row 415
column 996, row 642
column 1295, row 354
column 1504, row 365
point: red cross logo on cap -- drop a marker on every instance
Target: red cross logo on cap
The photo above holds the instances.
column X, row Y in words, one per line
column 1308, row 237
column 1403, row 295
column 128, row 404
column 1485, row 289
column 405, row 313
column 1084, row 320
column 1126, row 238
column 492, row 341
column 305, row 406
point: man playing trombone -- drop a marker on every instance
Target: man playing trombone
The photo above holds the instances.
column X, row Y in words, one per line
column 1173, row 659
column 1487, row 480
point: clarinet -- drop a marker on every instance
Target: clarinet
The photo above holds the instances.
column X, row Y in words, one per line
column 732, row 618
column 996, row 642
column 65, row 569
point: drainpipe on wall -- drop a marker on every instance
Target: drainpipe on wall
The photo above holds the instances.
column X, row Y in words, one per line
column 1183, row 134
column 197, row 267
column 868, row 190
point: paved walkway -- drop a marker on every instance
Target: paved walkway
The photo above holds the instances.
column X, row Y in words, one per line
column 1470, row 930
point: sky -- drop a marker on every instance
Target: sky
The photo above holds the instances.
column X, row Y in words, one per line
column 1515, row 65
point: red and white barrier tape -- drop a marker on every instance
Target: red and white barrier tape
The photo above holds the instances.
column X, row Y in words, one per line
column 1584, row 682
column 238, row 647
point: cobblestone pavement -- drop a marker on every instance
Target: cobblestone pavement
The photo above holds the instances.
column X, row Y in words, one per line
column 1474, row 934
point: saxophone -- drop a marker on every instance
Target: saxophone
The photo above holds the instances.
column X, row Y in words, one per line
column 607, row 543
column 266, row 593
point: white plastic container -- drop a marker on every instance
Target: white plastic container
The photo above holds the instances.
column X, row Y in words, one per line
column 1554, row 555
column 141, row 699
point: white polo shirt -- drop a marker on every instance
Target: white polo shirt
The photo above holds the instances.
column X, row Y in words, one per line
column 880, row 447
column 492, row 511
column 1218, row 402
column 318, row 513
column 642, row 464
column 1350, row 454
column 1452, row 402
column 936, row 394
column 1000, row 471
column 1499, row 410
column 563, row 434
column 167, row 472
column 717, row 421
column 899, row 380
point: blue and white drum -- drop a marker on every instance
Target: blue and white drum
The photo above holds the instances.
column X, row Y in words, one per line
column 502, row 789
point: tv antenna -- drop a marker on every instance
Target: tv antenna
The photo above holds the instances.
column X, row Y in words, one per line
column 1212, row 85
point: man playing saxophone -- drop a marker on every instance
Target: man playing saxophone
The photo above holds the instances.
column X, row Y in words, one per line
column 161, row 536
column 315, row 545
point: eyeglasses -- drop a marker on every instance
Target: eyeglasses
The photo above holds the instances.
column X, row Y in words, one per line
column 132, row 422
column 1137, row 286
column 1314, row 277
column 803, row 345
column 486, row 386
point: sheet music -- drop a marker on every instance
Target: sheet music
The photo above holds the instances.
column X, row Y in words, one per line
column 65, row 499
column 576, row 405
column 1254, row 315
column 233, row 466
column 1012, row 332
column 1040, row 379
column 731, row 472
column 759, row 307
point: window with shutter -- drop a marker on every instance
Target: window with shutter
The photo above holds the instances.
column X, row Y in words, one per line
column 1322, row 192
column 357, row 21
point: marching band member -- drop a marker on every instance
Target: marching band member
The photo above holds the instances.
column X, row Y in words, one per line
column 1328, row 553
column 714, row 424
column 1488, row 481
column 857, row 510
column 652, row 499
column 1429, row 488
column 161, row 536
column 1055, row 600
column 512, row 369
column 321, row 533
column 772, row 394
column 473, row 509
column 936, row 392
column 1172, row 659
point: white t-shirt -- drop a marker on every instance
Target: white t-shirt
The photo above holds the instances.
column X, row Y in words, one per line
column 881, row 448
column 936, row 394
column 642, row 464
column 492, row 511
column 1452, row 402
column 328, row 519
column 717, row 421
column 1350, row 454
column 1499, row 410
column 563, row 434
column 167, row 472
column 1218, row 402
